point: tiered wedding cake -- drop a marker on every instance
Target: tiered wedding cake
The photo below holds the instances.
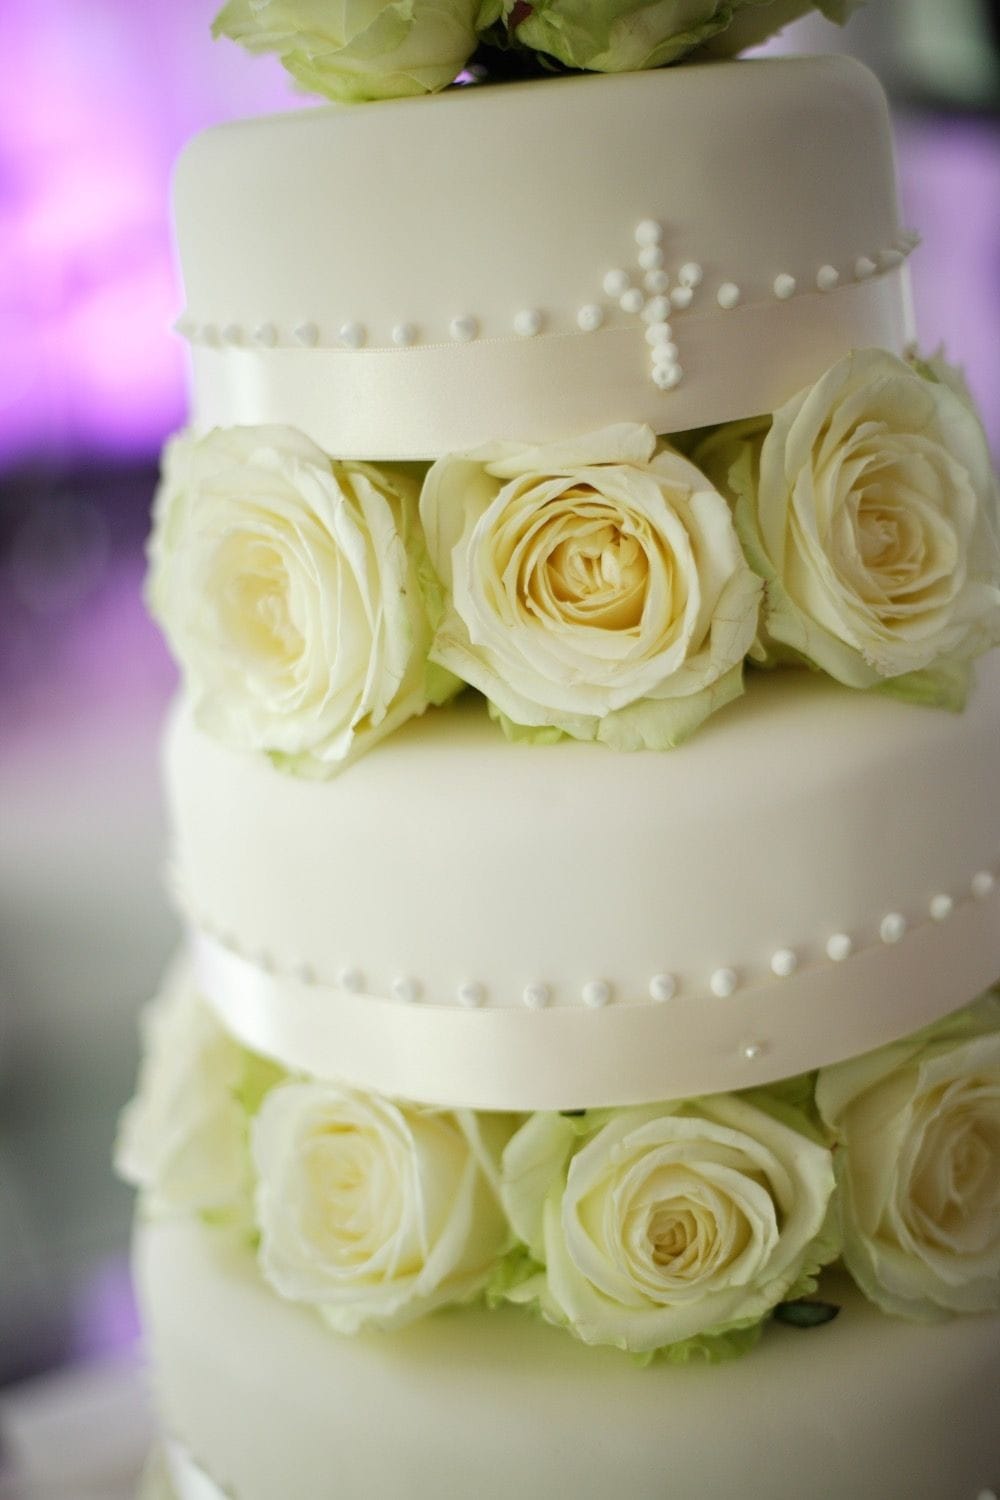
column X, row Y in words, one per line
column 620, row 997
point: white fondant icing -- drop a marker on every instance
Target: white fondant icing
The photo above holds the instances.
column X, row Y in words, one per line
column 865, row 1408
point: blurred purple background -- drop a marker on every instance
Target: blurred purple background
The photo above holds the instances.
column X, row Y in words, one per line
column 98, row 97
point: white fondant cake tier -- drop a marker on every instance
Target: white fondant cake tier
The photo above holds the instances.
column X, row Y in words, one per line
column 270, row 1402
column 464, row 921
column 425, row 275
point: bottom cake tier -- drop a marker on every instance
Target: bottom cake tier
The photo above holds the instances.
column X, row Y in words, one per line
column 260, row 1400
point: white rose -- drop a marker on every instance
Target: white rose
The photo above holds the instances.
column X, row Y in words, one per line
column 374, row 1211
column 291, row 590
column 670, row 1222
column 183, row 1138
column 597, row 586
column 918, row 1164
column 870, row 510
column 368, row 49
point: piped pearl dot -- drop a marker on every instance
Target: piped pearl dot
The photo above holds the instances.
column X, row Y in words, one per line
column 232, row 334
column 471, row 993
column 752, row 1050
column 351, row 980
column 942, row 907
column 690, row 274
column 662, row 987
column 983, row 883
column 667, row 376
column 657, row 310
column 406, row 989
column 864, row 267
column 463, row 329
column 266, row 335
column 682, row 296
column 827, row 278
column 839, row 947
column 656, row 281
column 536, row 995
column 890, row 258
column 784, row 962
column 352, row 335
column 648, row 232
column 892, row 927
column 632, row 301
column 616, row 282
column 651, row 257
column 658, row 334
column 307, row 334
column 210, row 335
column 784, row 286
column 596, row 992
column 723, row 983
column 664, row 354
column 304, row 973
column 728, row 295
column 404, row 334
column 528, row 322
column 590, row 317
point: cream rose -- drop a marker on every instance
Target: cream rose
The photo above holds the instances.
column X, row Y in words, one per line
column 293, row 592
column 596, row 587
column 368, row 49
column 870, row 510
column 183, row 1138
column 918, row 1162
column 669, row 1223
column 374, row 1211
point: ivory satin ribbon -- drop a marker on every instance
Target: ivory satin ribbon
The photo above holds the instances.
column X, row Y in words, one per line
column 427, row 400
column 569, row 1057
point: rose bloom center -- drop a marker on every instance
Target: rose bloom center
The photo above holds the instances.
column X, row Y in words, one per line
column 589, row 569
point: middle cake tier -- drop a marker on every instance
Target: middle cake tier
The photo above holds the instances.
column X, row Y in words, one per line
column 468, row 922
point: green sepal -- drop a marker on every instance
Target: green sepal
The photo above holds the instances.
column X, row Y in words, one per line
column 805, row 1313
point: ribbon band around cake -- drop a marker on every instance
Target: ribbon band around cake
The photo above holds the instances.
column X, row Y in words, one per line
column 426, row 399
column 494, row 1057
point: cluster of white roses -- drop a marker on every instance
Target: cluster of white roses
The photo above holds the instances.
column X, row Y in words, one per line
column 608, row 587
column 676, row 1227
column 381, row 49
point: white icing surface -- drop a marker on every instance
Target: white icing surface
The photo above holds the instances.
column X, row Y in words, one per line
column 435, row 276
column 494, row 1405
column 798, row 821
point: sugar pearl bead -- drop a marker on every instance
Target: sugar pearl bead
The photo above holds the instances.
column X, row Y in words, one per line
column 351, row 980
column 656, row 281
column 352, row 335
column 983, row 883
column 728, row 295
column 471, row 993
column 662, row 987
column 942, row 907
column 892, row 927
column 536, row 995
column 596, row 992
column 648, row 232
column 657, row 310
column 784, row 963
column 723, row 983
column 667, row 376
column 827, row 278
column 682, row 296
column 304, row 973
column 752, row 1050
column 616, row 282
column 590, row 317
column 864, row 267
column 690, row 274
column 404, row 334
column 651, row 257
column 839, row 947
column 784, row 286
column 891, row 258
column 658, row 334
column 406, row 989
column 664, row 354
column 266, row 335
column 232, row 334
column 528, row 322
column 307, row 334
column 632, row 301
column 463, row 329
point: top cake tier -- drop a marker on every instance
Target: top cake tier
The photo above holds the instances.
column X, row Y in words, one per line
column 677, row 248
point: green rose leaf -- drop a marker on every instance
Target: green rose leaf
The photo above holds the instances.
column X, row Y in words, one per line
column 805, row 1313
